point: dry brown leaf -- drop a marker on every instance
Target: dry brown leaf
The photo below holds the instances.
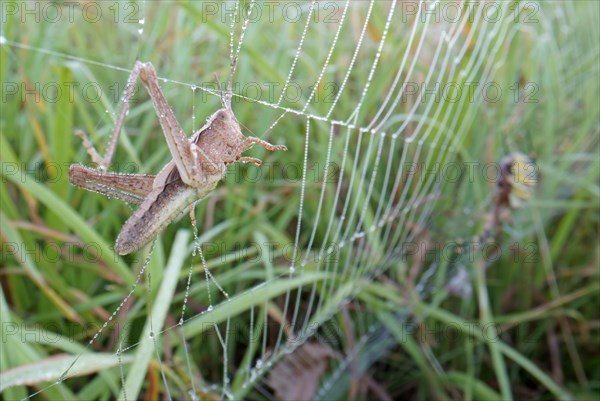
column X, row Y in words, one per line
column 297, row 375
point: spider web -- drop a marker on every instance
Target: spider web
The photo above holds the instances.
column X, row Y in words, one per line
column 354, row 214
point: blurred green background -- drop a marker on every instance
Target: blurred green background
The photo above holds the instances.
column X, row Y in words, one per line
column 61, row 281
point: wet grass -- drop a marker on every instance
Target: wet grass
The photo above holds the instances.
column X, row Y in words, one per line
column 61, row 280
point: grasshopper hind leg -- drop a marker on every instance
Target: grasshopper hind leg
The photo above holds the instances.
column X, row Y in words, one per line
column 132, row 188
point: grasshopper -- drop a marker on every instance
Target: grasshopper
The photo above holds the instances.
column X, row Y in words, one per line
column 199, row 163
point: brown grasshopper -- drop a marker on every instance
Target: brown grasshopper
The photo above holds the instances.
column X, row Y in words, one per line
column 198, row 163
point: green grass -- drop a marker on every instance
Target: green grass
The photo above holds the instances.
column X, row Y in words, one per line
column 61, row 281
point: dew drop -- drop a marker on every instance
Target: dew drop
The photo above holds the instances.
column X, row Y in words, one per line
column 2, row 40
column 210, row 308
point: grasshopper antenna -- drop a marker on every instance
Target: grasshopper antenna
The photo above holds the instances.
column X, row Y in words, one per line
column 230, row 83
column 223, row 99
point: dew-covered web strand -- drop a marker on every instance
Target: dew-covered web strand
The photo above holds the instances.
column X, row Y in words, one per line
column 350, row 190
column 197, row 247
column 141, row 21
column 184, row 307
column 460, row 130
column 298, row 227
column 226, row 379
column 110, row 150
column 399, row 72
column 97, row 334
column 428, row 78
column 153, row 335
column 422, row 285
column 410, row 140
column 342, row 219
column 373, row 177
column 374, row 172
column 417, row 200
column 297, row 54
column 125, row 300
column 362, row 183
column 194, row 109
column 353, row 60
column 121, row 370
column 417, row 191
column 292, row 267
column 348, row 239
column 286, row 110
column 250, row 342
column 389, row 216
column 408, row 74
column 123, row 104
column 352, row 120
column 421, row 197
column 480, row 52
column 244, row 27
column 325, row 248
column 448, row 41
column 328, row 58
column 377, row 221
column 354, row 115
column 316, row 223
column 232, row 32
